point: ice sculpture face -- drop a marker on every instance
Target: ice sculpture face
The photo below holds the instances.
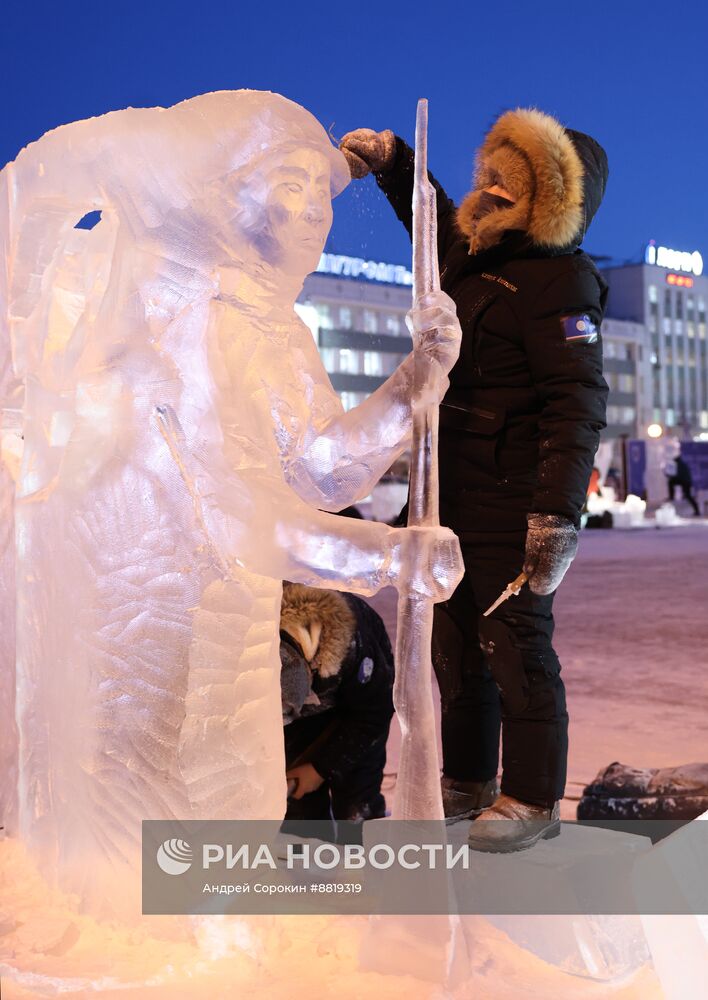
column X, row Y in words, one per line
column 291, row 210
column 181, row 441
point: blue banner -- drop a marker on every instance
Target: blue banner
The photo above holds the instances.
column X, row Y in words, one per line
column 636, row 467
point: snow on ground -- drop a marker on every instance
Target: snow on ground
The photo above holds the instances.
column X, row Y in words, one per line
column 632, row 636
column 48, row 950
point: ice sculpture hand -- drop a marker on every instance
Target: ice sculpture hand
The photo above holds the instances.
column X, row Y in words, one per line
column 427, row 561
column 366, row 150
column 551, row 544
column 436, row 334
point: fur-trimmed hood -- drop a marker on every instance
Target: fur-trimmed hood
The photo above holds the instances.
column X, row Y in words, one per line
column 321, row 622
column 557, row 177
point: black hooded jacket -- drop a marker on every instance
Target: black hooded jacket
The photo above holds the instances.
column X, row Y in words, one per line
column 351, row 679
column 521, row 421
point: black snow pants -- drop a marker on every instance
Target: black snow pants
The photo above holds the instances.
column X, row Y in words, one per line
column 356, row 795
column 502, row 673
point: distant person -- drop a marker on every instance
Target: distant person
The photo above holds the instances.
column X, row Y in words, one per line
column 337, row 695
column 678, row 473
column 594, row 485
column 613, row 479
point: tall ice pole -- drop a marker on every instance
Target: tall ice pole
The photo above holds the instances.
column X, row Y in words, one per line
column 417, row 793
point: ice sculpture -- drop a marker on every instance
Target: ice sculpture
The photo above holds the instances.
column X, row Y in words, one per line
column 182, row 443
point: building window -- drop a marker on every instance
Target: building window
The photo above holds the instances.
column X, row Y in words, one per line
column 370, row 324
column 652, row 293
column 345, row 318
column 372, row 363
column 393, row 324
column 324, row 316
column 620, row 414
column 348, row 361
column 670, row 418
column 667, row 303
column 329, row 358
column 704, row 419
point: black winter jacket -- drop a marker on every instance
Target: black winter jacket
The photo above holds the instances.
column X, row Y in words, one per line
column 352, row 678
column 520, row 423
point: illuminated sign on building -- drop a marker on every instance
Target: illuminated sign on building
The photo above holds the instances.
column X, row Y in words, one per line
column 674, row 260
column 680, row 280
column 357, row 267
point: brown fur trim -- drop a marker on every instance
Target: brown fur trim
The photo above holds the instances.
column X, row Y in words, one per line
column 531, row 155
column 308, row 607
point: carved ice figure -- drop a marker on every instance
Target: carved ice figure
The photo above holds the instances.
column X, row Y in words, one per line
column 181, row 442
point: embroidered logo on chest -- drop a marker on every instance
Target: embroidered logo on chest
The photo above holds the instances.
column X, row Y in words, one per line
column 499, row 280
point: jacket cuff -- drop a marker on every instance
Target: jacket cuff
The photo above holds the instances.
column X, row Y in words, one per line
column 400, row 151
column 556, row 506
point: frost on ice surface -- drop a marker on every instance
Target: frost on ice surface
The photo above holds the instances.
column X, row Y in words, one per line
column 181, row 440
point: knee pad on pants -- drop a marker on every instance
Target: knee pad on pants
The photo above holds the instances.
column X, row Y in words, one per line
column 505, row 663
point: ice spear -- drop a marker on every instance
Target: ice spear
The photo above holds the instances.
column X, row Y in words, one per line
column 418, row 784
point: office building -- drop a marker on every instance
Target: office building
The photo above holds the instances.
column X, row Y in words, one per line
column 654, row 335
column 356, row 310
column 666, row 294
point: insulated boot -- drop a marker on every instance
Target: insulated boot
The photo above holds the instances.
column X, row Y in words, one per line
column 466, row 799
column 511, row 825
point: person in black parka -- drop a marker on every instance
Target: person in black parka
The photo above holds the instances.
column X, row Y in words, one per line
column 519, row 427
column 337, row 695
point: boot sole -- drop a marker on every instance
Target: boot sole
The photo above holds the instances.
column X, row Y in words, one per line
column 489, row 847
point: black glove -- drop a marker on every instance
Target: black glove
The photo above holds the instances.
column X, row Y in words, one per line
column 366, row 150
column 551, row 544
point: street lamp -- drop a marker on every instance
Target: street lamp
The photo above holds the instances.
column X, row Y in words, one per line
column 655, row 430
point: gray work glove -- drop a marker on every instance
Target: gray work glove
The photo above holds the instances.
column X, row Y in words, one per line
column 366, row 150
column 551, row 544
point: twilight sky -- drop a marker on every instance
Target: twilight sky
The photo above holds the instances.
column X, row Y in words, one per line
column 632, row 74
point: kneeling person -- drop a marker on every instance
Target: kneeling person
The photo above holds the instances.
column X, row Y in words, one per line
column 337, row 683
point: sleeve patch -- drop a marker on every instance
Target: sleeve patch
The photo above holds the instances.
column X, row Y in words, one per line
column 366, row 669
column 579, row 329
